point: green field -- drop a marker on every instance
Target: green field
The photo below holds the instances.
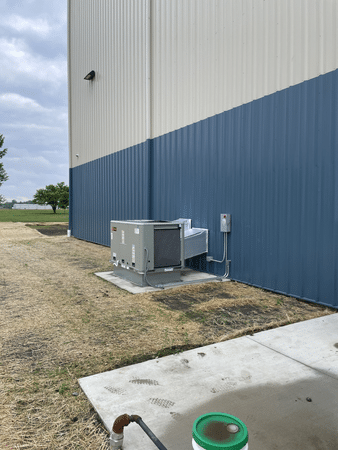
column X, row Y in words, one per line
column 26, row 215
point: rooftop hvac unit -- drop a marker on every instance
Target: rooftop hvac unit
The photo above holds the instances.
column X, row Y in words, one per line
column 148, row 252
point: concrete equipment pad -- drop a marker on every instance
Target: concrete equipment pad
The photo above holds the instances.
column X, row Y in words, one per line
column 286, row 403
column 187, row 277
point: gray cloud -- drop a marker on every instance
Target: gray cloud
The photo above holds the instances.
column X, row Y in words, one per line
column 33, row 95
column 21, row 24
column 21, row 62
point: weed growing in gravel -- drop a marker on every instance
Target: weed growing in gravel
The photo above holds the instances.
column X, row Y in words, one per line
column 63, row 388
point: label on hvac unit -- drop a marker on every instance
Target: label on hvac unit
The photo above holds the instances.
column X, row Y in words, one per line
column 133, row 253
column 136, row 230
column 169, row 269
column 122, row 236
column 114, row 255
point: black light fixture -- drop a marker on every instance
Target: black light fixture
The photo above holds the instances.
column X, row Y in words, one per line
column 90, row 75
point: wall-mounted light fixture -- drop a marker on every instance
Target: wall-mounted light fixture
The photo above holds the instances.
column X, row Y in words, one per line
column 90, row 75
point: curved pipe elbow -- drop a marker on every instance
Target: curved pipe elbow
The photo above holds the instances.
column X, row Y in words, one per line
column 116, row 436
column 120, row 423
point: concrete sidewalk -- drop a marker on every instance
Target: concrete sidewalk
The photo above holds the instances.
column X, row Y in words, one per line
column 282, row 383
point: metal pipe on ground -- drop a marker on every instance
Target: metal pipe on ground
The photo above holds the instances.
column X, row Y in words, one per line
column 116, row 437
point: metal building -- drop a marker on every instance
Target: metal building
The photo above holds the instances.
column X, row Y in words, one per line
column 30, row 206
column 200, row 107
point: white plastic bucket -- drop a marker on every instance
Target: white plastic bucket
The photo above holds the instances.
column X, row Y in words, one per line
column 195, row 446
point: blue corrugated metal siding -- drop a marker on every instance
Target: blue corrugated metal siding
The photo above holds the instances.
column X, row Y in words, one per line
column 272, row 164
column 112, row 187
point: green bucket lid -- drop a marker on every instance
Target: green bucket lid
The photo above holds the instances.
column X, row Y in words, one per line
column 220, row 431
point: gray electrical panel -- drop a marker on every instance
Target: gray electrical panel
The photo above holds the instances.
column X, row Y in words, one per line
column 225, row 223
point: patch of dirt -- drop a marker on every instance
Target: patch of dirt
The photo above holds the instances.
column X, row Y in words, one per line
column 214, row 290
column 27, row 347
column 183, row 301
column 227, row 310
column 59, row 322
column 57, row 229
column 176, row 302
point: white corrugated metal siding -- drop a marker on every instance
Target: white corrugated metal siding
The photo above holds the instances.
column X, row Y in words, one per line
column 206, row 57
column 108, row 113
column 211, row 56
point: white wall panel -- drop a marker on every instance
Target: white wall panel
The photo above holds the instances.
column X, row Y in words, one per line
column 108, row 113
column 200, row 57
column 209, row 56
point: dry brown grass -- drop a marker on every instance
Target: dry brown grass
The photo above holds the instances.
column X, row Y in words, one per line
column 59, row 322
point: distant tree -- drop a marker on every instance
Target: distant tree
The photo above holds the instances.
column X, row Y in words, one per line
column 64, row 198
column 3, row 174
column 55, row 196
column 9, row 205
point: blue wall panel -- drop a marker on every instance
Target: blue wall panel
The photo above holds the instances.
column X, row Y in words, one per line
column 272, row 164
column 113, row 187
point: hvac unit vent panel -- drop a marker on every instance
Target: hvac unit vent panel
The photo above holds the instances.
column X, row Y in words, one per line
column 167, row 248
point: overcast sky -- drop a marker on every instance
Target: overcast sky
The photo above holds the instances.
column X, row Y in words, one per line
column 33, row 95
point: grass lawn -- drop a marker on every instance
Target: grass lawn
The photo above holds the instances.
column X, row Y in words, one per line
column 59, row 322
column 26, row 215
